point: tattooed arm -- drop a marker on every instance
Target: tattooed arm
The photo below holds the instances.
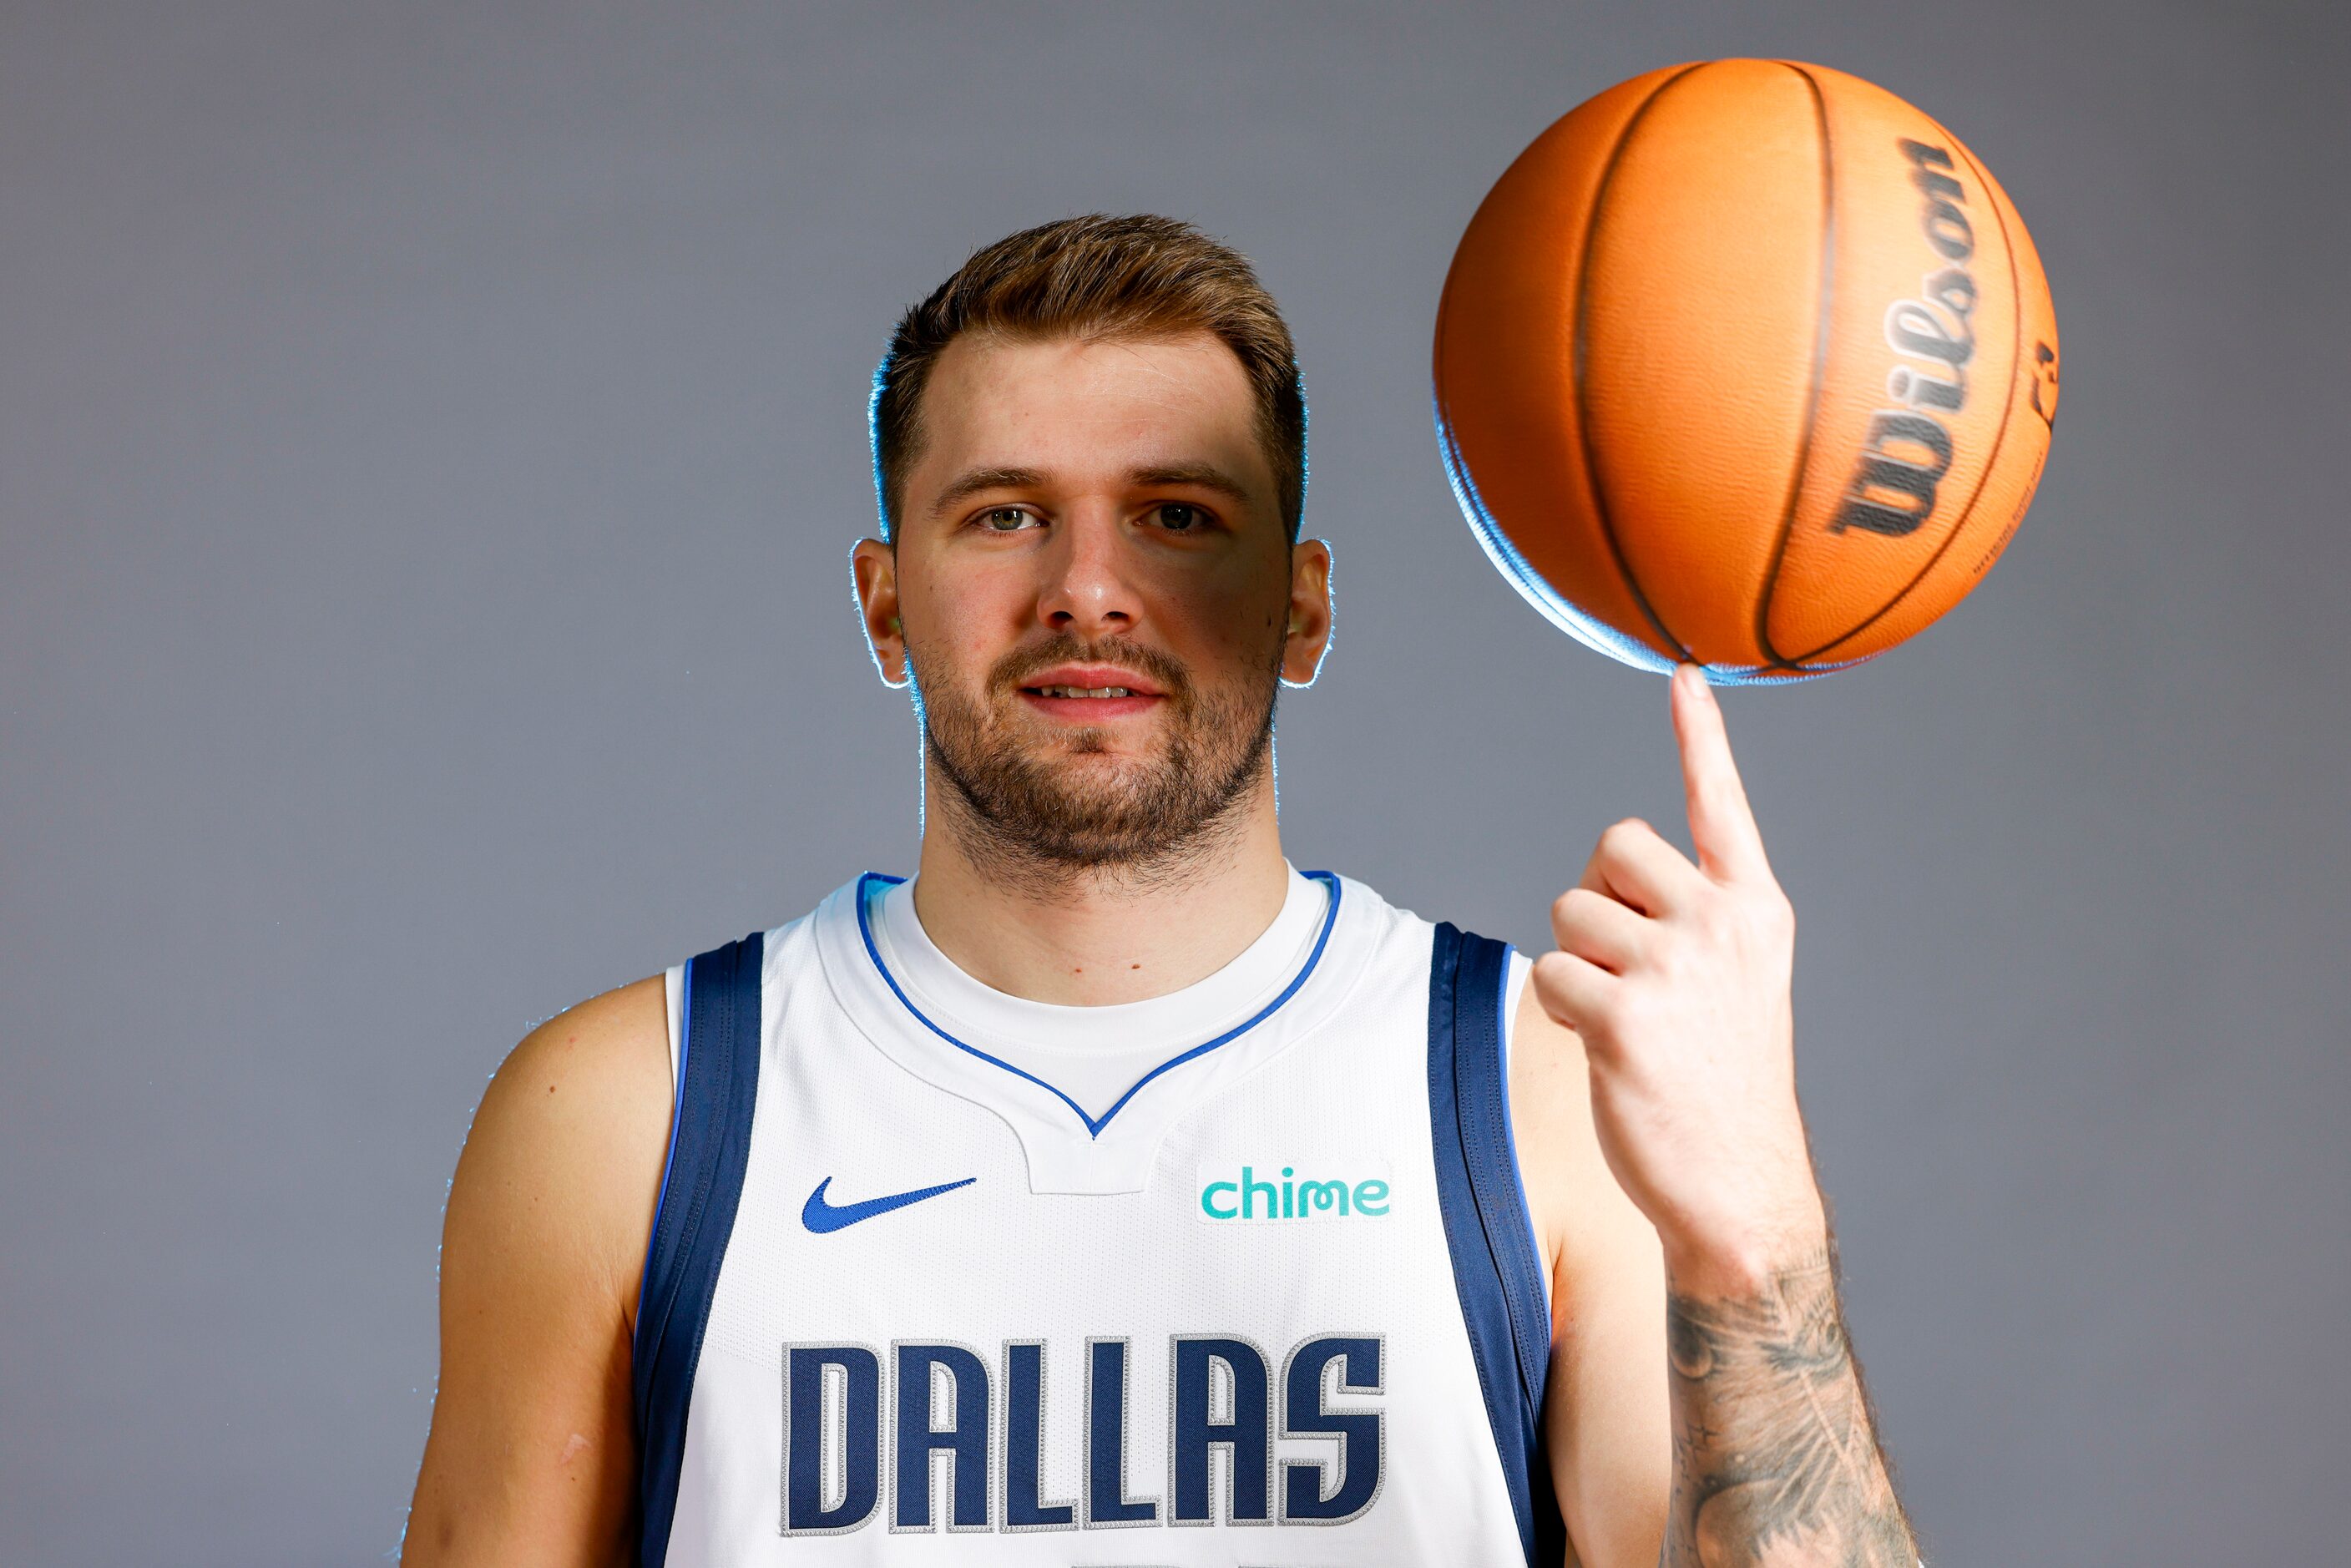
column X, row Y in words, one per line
column 1775, row 1456
column 1677, row 980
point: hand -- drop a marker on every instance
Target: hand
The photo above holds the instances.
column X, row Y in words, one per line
column 1676, row 977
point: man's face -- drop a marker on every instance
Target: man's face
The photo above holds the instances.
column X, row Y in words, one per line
column 1093, row 591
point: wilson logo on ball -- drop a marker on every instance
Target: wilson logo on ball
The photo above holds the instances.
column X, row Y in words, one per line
column 1908, row 449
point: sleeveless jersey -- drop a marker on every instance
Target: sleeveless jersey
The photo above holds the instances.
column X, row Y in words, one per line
column 1279, row 1302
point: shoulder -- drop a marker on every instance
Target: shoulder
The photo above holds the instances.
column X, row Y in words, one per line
column 602, row 1062
column 605, row 1037
column 563, row 1164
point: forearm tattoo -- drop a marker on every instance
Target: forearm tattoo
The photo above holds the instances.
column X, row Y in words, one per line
column 1775, row 1456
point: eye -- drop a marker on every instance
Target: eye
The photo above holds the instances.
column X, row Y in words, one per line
column 1008, row 519
column 1181, row 518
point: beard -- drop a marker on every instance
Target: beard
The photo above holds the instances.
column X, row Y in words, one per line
column 1033, row 809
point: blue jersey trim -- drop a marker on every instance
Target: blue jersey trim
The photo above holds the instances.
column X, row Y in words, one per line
column 1488, row 1228
column 676, row 1113
column 1510, row 1127
column 710, row 1142
column 1094, row 1124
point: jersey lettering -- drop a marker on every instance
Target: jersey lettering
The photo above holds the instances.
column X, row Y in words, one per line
column 940, row 1398
column 1197, row 1435
column 1106, row 1499
column 846, row 1378
column 1306, row 1498
column 964, row 1440
column 1024, row 1442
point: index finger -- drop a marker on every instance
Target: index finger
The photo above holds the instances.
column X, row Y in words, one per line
column 1722, row 826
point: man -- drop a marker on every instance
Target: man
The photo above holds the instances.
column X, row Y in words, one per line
column 1112, row 1174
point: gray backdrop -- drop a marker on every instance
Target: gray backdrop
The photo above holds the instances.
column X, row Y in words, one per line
column 430, row 440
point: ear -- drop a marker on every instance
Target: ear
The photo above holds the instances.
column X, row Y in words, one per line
column 1310, row 612
column 873, row 566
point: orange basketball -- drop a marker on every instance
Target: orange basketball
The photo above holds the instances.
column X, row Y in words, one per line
column 1747, row 362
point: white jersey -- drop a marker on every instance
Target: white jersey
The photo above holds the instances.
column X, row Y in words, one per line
column 1240, row 1276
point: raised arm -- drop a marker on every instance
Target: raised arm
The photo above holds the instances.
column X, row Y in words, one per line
column 531, row 1458
column 1674, row 977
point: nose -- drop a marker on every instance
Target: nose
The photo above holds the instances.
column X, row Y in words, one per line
column 1086, row 590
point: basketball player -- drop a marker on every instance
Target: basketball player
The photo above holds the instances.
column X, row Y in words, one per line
column 1113, row 1192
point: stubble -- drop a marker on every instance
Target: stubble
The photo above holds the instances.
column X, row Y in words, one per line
column 1033, row 813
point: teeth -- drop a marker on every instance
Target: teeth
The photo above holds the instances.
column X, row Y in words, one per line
column 1085, row 691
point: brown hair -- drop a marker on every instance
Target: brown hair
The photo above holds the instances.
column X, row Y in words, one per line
column 1102, row 278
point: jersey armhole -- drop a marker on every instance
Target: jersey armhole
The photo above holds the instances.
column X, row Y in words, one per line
column 1519, row 970
column 1497, row 1269
column 674, row 1025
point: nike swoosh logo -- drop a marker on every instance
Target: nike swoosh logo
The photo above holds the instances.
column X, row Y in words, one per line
column 825, row 1218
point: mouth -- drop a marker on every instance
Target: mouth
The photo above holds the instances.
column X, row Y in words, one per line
column 1089, row 694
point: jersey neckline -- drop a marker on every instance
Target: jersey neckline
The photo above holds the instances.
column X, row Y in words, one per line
column 1068, row 1150
column 1093, row 1125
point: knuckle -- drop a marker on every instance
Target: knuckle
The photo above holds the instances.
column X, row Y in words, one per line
column 1576, row 905
column 1625, row 832
column 1553, row 975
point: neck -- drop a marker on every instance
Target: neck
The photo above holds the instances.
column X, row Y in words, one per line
column 1093, row 936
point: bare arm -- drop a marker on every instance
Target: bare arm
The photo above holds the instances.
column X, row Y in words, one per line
column 531, row 1458
column 1607, row 1426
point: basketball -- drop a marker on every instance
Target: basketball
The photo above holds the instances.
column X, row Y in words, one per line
column 1747, row 362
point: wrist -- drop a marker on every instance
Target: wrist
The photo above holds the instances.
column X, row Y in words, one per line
column 1746, row 1256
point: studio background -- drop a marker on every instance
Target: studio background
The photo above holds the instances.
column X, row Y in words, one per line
column 431, row 439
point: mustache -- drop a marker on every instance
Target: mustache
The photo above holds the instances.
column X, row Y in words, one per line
column 1169, row 673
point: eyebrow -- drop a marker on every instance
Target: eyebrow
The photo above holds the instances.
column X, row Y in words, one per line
column 1199, row 475
column 972, row 481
